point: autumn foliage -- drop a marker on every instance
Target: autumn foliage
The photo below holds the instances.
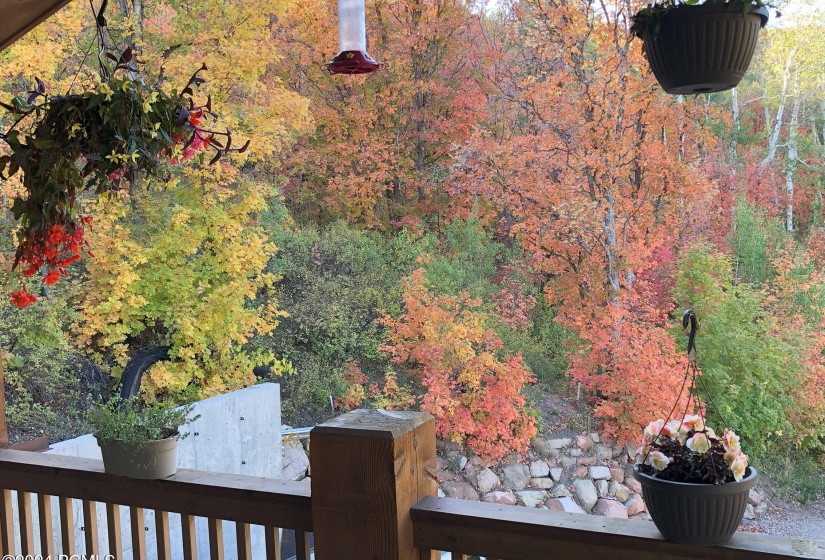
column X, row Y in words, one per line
column 474, row 392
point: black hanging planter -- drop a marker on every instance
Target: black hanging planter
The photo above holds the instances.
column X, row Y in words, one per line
column 700, row 48
column 696, row 514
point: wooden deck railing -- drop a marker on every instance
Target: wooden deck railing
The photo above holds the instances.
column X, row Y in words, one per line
column 373, row 498
column 518, row 533
column 50, row 482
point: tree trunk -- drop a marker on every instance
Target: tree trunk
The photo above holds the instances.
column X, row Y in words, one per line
column 773, row 140
column 793, row 156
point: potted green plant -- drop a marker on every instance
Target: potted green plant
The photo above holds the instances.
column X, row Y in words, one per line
column 695, row 484
column 139, row 440
column 699, row 47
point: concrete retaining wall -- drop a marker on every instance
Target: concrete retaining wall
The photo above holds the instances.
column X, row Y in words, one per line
column 237, row 433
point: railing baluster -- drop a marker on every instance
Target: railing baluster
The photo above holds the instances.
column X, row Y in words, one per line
column 66, row 525
column 302, row 545
column 138, row 533
column 114, row 530
column 215, row 539
column 244, row 539
column 44, row 513
column 24, row 517
column 90, row 528
column 272, row 537
column 6, row 523
column 190, row 542
column 162, row 535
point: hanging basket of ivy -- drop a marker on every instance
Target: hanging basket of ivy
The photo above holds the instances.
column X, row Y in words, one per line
column 100, row 140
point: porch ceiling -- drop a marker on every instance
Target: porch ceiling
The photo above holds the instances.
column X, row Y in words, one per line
column 18, row 17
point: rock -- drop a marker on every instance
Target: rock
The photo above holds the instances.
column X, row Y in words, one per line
column 543, row 483
column 574, row 452
column 542, row 446
column 511, row 459
column 460, row 490
column 633, row 484
column 635, row 505
column 539, row 469
column 760, row 509
column 617, row 474
column 294, row 460
column 595, row 437
column 446, row 476
column 532, row 498
column 307, row 480
column 552, row 463
column 749, row 513
column 558, row 443
column 487, row 480
column 515, row 477
column 588, row 461
column 580, row 472
column 451, row 450
column 586, row 493
column 584, row 443
column 610, row 508
column 567, row 461
column 554, row 504
column 569, row 505
column 755, row 497
column 441, row 493
column 505, row 498
column 631, row 449
column 556, row 473
column 462, row 462
column 470, row 471
column 619, row 490
column 559, row 491
column 599, row 473
column 643, row 516
column 603, row 452
column 618, row 451
column 602, row 487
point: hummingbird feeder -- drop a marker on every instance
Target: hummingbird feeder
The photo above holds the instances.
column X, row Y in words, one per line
column 352, row 36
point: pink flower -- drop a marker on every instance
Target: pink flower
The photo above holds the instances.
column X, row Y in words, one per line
column 730, row 440
column 738, row 467
column 654, row 429
column 693, row 422
column 657, row 460
column 698, row 443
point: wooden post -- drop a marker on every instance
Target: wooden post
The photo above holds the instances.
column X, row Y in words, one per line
column 368, row 469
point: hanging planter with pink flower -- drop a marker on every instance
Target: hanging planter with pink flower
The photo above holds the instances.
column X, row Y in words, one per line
column 695, row 483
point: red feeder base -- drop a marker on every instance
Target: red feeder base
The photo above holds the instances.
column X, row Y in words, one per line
column 352, row 62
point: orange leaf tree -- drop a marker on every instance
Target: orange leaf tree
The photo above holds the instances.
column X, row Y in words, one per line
column 473, row 391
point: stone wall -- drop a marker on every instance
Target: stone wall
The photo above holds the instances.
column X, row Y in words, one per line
column 584, row 473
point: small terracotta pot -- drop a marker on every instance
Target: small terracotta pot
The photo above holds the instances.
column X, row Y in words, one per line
column 150, row 460
column 696, row 514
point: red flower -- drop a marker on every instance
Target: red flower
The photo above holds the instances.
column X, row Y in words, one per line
column 51, row 278
column 22, row 298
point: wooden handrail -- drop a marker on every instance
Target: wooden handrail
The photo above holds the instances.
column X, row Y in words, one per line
column 519, row 533
column 245, row 499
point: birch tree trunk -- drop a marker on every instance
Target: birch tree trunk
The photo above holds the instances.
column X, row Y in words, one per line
column 773, row 139
column 793, row 156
